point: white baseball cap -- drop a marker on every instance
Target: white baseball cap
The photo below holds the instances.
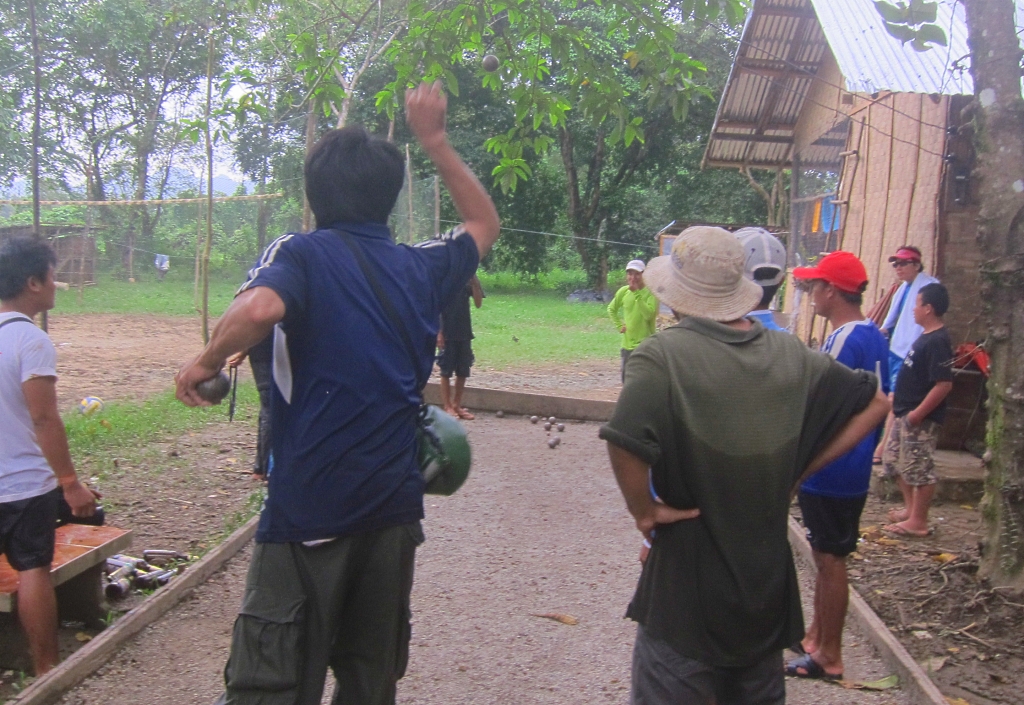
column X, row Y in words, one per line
column 761, row 249
column 637, row 265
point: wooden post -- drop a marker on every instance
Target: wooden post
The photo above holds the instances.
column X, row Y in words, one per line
column 37, row 228
column 209, row 188
column 437, row 205
column 408, row 181
column 81, row 255
column 199, row 248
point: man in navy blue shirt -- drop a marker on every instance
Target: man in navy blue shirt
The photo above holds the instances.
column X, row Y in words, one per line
column 832, row 500
column 332, row 569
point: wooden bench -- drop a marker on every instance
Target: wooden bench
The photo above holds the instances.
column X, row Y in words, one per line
column 77, row 574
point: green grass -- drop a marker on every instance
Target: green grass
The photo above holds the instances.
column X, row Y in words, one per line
column 130, row 426
column 549, row 329
column 171, row 297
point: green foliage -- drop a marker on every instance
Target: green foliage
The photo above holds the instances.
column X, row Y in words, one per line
column 554, row 57
column 913, row 22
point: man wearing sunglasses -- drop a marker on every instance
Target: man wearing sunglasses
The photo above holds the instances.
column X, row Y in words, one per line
column 899, row 325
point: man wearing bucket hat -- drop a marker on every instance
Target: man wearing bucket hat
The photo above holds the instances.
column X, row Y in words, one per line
column 721, row 419
column 764, row 264
column 831, row 501
column 633, row 310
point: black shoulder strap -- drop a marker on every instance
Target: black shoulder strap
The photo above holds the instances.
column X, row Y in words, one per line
column 15, row 320
column 385, row 302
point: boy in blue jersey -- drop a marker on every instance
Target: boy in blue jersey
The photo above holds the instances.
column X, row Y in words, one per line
column 832, row 500
column 332, row 569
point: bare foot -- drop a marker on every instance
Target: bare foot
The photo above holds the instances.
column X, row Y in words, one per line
column 809, row 646
column 451, row 411
column 898, row 515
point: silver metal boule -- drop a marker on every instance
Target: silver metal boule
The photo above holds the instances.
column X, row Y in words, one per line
column 214, row 389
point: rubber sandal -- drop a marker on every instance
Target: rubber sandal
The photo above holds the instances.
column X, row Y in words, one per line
column 812, row 669
column 897, row 531
column 465, row 415
column 876, row 460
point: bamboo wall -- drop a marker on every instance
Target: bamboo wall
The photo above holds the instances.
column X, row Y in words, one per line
column 890, row 183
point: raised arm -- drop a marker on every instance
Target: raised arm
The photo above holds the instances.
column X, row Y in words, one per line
column 425, row 111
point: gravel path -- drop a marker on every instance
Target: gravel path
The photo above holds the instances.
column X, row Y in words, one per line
column 534, row 531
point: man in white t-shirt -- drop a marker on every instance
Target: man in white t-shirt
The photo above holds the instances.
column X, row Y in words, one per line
column 35, row 464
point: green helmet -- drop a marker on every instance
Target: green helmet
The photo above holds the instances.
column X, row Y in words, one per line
column 444, row 455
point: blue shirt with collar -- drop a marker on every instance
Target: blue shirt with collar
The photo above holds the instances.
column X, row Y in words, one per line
column 345, row 393
column 860, row 346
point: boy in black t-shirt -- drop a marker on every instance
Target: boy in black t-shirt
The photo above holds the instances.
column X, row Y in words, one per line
column 919, row 405
column 455, row 340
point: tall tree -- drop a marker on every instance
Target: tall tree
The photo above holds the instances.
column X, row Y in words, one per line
column 999, row 172
column 585, row 79
column 998, row 130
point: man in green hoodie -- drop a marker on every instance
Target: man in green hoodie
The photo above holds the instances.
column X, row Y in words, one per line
column 634, row 310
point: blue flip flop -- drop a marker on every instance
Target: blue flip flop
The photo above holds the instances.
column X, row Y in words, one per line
column 812, row 669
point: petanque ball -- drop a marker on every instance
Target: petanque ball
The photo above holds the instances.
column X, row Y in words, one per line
column 557, row 440
column 490, row 63
column 561, row 427
column 214, row 389
column 552, row 443
column 500, row 414
column 547, row 426
column 90, row 405
column 534, row 419
column 551, row 419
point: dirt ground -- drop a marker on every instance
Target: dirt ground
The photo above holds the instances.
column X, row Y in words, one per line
column 532, row 532
column 133, row 357
column 967, row 634
column 474, row 596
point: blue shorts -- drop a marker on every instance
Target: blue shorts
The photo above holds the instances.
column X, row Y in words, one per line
column 895, row 363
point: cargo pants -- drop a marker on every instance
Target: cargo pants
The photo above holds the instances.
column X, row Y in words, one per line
column 342, row 604
column 910, row 450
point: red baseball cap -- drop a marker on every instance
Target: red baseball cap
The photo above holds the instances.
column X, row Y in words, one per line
column 840, row 269
column 906, row 254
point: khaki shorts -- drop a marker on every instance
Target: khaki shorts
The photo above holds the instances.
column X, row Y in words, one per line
column 909, row 452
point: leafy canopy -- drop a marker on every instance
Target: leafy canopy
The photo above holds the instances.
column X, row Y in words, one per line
column 551, row 63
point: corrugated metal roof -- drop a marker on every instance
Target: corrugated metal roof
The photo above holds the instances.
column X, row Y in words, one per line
column 784, row 43
column 872, row 60
column 781, row 49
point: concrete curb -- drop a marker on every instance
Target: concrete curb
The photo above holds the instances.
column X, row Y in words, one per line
column 913, row 679
column 524, row 403
column 97, row 652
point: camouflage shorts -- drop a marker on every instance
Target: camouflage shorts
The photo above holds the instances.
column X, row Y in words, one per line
column 908, row 454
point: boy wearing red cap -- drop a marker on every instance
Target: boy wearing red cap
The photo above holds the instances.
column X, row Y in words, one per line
column 832, row 500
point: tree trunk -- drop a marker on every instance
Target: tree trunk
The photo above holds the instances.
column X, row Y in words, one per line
column 999, row 182
column 307, row 214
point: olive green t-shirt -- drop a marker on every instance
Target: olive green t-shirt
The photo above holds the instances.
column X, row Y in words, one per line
column 728, row 420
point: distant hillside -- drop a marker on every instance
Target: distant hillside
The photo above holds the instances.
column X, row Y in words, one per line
column 179, row 180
